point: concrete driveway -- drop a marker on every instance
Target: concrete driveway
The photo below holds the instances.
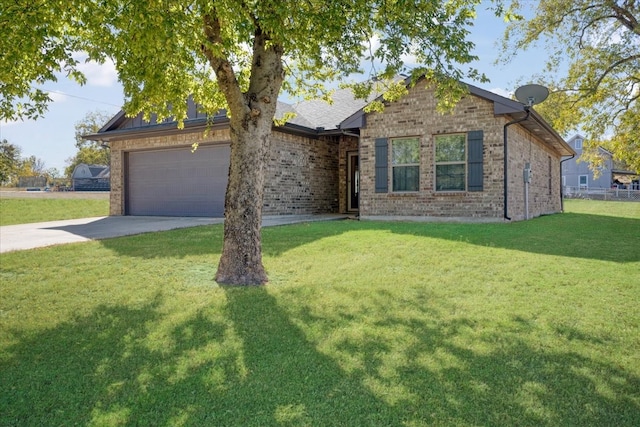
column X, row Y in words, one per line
column 29, row 236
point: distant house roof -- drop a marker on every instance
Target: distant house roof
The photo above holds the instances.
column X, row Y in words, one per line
column 83, row 171
column 346, row 113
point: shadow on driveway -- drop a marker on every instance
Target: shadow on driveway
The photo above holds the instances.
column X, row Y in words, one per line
column 29, row 236
column 36, row 235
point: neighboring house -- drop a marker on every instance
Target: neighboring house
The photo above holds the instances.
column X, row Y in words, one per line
column 90, row 178
column 405, row 162
column 577, row 174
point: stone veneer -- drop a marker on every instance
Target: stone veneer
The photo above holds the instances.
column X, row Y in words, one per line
column 415, row 115
column 301, row 179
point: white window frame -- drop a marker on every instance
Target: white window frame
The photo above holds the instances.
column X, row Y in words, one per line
column 578, row 144
column 457, row 162
column 586, row 182
column 404, row 165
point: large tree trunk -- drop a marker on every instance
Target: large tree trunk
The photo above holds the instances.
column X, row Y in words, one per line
column 251, row 121
column 241, row 260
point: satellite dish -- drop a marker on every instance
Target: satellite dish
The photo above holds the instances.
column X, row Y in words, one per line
column 531, row 95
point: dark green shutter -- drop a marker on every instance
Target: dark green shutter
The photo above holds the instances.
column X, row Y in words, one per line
column 474, row 161
column 382, row 165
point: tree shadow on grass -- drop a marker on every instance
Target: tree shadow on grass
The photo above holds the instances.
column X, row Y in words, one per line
column 253, row 366
column 249, row 366
column 207, row 240
column 518, row 384
column 464, row 372
column 569, row 235
column 179, row 243
column 572, row 235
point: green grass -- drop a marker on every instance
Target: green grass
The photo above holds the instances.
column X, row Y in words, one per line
column 362, row 324
column 24, row 211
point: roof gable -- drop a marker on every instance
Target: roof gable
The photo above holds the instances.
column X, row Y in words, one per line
column 345, row 113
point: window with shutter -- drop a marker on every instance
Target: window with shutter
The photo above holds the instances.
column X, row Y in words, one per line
column 450, row 162
column 458, row 162
column 382, row 165
column 405, row 164
column 474, row 160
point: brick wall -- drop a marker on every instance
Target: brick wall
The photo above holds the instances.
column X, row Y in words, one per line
column 415, row 115
column 544, row 189
column 301, row 179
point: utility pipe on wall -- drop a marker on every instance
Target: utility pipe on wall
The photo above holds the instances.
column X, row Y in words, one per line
column 506, row 193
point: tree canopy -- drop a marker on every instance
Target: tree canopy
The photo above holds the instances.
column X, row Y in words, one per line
column 89, row 152
column 162, row 49
column 237, row 55
column 598, row 42
column 10, row 162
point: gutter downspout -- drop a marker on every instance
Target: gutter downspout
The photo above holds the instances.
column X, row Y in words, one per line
column 561, row 188
column 506, row 193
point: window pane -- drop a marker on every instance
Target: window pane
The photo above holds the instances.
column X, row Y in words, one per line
column 450, row 148
column 450, row 177
column 406, row 178
column 405, row 151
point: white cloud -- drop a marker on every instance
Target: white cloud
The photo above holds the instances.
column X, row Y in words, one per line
column 502, row 92
column 57, row 96
column 100, row 74
column 104, row 75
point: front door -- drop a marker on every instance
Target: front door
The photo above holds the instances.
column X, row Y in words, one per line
column 353, row 181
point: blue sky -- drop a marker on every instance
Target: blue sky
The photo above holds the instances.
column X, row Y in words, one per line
column 52, row 138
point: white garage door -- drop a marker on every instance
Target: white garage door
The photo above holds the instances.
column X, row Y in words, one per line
column 177, row 182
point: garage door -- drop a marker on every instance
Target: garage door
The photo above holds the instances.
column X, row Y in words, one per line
column 178, row 182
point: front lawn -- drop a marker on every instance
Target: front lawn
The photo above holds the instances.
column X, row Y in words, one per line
column 362, row 324
column 28, row 210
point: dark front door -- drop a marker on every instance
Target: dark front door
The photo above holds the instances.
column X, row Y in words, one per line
column 353, row 181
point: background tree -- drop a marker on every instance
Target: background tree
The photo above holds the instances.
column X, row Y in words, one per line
column 13, row 165
column 89, row 152
column 31, row 166
column 53, row 176
column 10, row 161
column 236, row 55
column 34, row 166
column 599, row 43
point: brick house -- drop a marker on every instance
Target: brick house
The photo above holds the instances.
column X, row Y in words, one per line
column 406, row 162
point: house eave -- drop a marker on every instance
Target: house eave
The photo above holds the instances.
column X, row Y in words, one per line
column 171, row 128
column 542, row 130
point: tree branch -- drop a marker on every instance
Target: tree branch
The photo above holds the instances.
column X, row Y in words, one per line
column 625, row 17
column 221, row 65
column 611, row 67
column 267, row 72
column 591, row 23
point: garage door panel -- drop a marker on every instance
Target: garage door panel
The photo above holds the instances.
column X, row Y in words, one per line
column 178, row 182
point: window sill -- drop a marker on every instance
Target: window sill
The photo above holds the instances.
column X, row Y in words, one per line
column 449, row 193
